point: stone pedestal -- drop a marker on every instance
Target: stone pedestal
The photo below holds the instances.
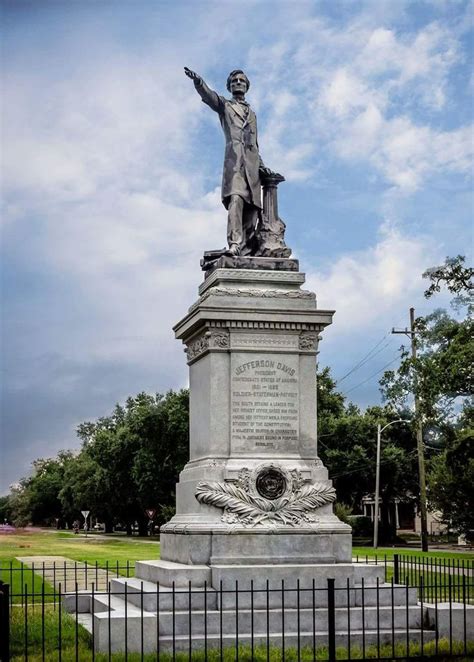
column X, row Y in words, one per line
column 254, row 490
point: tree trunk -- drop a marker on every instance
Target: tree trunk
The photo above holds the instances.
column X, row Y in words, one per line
column 388, row 528
column 142, row 527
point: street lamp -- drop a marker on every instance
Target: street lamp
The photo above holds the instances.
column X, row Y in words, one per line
column 377, row 477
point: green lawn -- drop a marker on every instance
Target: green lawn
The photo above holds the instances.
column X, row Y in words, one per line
column 63, row 543
column 120, row 553
column 122, row 549
column 115, row 553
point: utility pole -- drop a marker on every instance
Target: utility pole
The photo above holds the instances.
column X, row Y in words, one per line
column 419, row 435
column 380, row 429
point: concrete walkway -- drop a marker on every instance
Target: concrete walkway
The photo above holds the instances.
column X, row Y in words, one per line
column 60, row 570
column 450, row 568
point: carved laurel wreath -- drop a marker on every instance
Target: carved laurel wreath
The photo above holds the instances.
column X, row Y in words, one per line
column 242, row 506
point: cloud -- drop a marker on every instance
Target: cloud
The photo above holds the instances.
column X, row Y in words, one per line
column 405, row 153
column 368, row 94
column 112, row 187
column 365, row 287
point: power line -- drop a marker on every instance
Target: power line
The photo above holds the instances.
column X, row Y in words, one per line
column 369, row 356
column 365, row 358
column 361, row 363
column 362, row 467
column 371, row 376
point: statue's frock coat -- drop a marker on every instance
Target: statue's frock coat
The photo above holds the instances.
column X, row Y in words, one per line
column 241, row 160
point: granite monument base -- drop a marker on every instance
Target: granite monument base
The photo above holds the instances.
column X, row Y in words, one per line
column 254, row 489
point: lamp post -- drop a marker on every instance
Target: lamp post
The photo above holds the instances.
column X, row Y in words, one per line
column 377, row 477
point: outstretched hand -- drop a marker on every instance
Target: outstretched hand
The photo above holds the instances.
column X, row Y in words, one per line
column 268, row 172
column 191, row 74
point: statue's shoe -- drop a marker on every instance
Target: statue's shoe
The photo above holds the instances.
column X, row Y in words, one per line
column 233, row 250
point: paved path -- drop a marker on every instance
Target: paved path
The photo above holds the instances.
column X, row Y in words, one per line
column 67, row 572
column 449, row 568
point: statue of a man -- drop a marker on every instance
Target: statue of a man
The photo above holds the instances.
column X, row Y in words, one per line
column 243, row 166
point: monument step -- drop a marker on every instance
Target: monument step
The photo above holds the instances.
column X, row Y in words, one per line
column 103, row 602
column 369, row 596
column 292, row 573
column 141, row 633
column 163, row 597
column 213, row 622
column 141, row 628
column 167, row 572
column 385, row 595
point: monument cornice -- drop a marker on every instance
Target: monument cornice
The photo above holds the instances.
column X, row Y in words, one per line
column 241, row 318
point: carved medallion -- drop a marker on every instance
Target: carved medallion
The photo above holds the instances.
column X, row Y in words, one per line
column 271, row 483
column 270, row 497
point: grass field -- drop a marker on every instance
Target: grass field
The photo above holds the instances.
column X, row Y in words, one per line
column 114, row 552
column 63, row 543
column 105, row 549
column 119, row 554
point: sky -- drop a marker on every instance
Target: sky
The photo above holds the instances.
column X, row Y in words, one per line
column 111, row 174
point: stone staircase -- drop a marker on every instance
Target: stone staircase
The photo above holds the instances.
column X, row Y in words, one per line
column 171, row 606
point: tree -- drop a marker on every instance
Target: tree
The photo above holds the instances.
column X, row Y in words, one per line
column 129, row 461
column 36, row 499
column 451, row 477
column 455, row 276
column 84, row 488
column 347, row 446
column 137, row 454
column 5, row 509
column 441, row 375
column 441, row 378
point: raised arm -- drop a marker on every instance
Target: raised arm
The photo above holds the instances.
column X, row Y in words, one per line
column 211, row 98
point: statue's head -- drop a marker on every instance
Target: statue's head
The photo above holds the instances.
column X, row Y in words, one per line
column 236, row 81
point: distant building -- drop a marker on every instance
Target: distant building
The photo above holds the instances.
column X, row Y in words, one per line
column 407, row 518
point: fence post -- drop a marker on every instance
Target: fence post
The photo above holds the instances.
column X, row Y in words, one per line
column 396, row 569
column 4, row 622
column 331, row 620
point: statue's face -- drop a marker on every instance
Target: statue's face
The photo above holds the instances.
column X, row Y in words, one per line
column 238, row 84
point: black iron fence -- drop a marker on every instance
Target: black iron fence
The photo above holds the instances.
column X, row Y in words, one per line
column 440, row 575
column 73, row 617
column 69, row 573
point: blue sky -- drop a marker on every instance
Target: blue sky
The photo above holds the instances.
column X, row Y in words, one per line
column 111, row 184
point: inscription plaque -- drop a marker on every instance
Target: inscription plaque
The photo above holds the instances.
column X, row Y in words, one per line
column 264, row 402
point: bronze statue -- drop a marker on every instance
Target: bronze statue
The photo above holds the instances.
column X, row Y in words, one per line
column 244, row 172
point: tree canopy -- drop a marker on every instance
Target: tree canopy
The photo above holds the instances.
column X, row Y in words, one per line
column 441, row 377
column 347, row 440
column 129, row 462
